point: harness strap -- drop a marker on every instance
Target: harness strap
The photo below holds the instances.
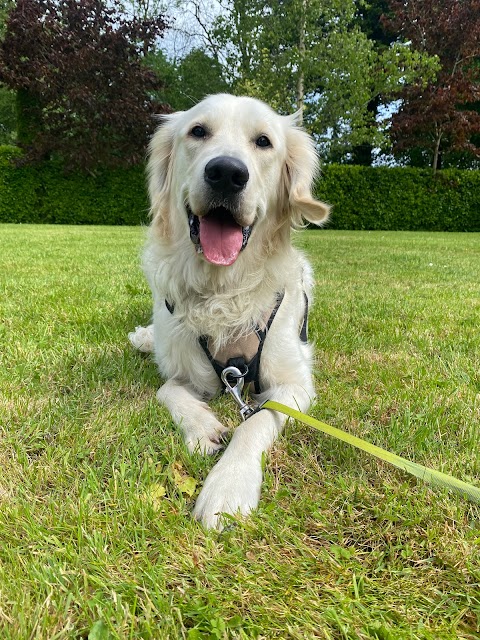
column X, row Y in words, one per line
column 252, row 367
column 304, row 329
column 203, row 342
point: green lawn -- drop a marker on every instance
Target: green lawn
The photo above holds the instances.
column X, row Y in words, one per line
column 96, row 540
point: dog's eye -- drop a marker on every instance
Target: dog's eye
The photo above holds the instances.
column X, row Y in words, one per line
column 263, row 141
column 198, row 131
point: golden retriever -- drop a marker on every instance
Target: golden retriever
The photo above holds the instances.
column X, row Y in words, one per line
column 228, row 180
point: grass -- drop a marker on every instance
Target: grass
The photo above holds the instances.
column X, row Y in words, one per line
column 96, row 540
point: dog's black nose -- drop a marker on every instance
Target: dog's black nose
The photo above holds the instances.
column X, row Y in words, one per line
column 226, row 175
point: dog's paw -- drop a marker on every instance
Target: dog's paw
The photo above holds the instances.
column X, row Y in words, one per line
column 202, row 432
column 208, row 438
column 142, row 338
column 230, row 488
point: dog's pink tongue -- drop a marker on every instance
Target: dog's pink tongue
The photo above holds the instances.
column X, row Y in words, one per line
column 221, row 239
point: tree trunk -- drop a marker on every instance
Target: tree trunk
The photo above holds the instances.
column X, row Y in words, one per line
column 301, row 72
column 436, row 152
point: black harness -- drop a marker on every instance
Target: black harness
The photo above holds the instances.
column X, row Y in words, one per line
column 251, row 368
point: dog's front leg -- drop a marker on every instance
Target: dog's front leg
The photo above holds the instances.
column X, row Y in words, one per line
column 201, row 429
column 233, row 485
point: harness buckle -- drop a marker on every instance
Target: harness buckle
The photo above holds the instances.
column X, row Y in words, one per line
column 235, row 390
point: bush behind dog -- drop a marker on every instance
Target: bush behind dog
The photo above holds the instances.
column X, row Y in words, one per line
column 401, row 198
column 362, row 197
column 44, row 193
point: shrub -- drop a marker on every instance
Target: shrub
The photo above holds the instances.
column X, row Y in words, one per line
column 362, row 197
column 44, row 193
column 401, row 198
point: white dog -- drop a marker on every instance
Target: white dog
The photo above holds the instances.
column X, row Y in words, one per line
column 228, row 179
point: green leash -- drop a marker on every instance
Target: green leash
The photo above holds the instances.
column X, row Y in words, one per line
column 232, row 378
column 418, row 470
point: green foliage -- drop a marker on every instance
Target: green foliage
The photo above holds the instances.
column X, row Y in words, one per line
column 362, row 197
column 7, row 116
column 44, row 193
column 163, row 68
column 29, row 116
column 198, row 76
column 186, row 83
column 5, row 7
column 401, row 198
column 315, row 54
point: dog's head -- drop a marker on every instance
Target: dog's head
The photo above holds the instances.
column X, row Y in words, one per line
column 227, row 169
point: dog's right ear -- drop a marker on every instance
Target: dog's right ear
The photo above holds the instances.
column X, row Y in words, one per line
column 159, row 171
column 300, row 172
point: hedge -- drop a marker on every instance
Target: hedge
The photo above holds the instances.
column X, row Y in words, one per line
column 44, row 193
column 401, row 198
column 362, row 197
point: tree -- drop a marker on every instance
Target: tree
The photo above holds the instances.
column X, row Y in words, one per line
column 198, row 76
column 7, row 98
column 312, row 54
column 83, row 91
column 5, row 7
column 146, row 13
column 188, row 81
column 7, row 116
column 443, row 117
column 369, row 21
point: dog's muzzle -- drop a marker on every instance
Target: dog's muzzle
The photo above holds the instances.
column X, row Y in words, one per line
column 217, row 235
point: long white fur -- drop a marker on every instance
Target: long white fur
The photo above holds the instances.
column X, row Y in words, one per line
column 223, row 302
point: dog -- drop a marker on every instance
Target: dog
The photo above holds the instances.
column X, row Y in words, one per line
column 228, row 180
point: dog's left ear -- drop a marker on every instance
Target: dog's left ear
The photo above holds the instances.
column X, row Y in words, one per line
column 159, row 171
column 301, row 169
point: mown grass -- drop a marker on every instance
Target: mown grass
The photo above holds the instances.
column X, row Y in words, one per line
column 95, row 535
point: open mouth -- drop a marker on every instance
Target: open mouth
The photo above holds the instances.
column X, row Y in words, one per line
column 218, row 236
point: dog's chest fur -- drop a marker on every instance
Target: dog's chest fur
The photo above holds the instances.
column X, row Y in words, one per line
column 241, row 346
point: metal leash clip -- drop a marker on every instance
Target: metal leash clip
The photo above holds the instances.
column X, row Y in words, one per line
column 236, row 390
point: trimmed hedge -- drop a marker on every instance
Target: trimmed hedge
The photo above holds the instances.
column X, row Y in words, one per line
column 45, row 194
column 362, row 197
column 402, row 198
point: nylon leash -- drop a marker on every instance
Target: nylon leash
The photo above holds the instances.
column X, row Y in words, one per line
column 424, row 473
column 233, row 380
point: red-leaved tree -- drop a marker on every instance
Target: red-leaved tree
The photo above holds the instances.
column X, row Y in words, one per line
column 84, row 93
column 443, row 116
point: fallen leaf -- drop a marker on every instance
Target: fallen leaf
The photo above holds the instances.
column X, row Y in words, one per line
column 184, row 482
column 155, row 494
